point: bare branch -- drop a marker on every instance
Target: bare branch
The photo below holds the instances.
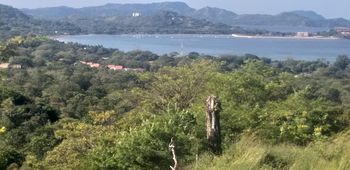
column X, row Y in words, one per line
column 172, row 149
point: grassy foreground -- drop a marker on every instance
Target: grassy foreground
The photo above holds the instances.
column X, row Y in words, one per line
column 250, row 153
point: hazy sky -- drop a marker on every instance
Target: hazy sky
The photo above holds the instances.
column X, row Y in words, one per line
column 328, row 8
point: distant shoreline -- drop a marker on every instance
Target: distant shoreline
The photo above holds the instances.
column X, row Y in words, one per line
column 307, row 48
column 284, row 37
column 57, row 37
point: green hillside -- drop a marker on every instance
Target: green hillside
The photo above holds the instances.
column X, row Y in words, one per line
column 58, row 112
column 14, row 22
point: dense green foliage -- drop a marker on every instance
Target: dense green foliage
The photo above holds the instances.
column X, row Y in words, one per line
column 57, row 113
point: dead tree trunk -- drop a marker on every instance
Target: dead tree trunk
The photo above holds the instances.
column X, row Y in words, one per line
column 213, row 124
column 172, row 149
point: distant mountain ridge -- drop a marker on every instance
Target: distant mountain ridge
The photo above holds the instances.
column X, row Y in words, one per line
column 154, row 18
column 164, row 22
column 215, row 15
column 294, row 18
column 14, row 22
column 110, row 9
column 308, row 14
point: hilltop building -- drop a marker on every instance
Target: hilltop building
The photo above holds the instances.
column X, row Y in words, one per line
column 136, row 14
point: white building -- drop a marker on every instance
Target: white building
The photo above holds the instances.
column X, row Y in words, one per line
column 136, row 14
column 303, row 34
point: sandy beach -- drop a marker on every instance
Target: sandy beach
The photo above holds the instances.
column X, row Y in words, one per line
column 281, row 37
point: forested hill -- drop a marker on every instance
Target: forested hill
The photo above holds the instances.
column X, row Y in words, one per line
column 294, row 18
column 14, row 22
column 215, row 15
column 162, row 18
column 161, row 22
column 110, row 10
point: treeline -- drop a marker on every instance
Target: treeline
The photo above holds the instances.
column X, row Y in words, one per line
column 57, row 113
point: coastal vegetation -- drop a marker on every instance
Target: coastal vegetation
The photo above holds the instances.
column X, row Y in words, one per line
column 57, row 113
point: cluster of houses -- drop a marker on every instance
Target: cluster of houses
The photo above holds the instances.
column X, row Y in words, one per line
column 302, row 34
column 112, row 67
column 344, row 31
column 91, row 64
column 8, row 65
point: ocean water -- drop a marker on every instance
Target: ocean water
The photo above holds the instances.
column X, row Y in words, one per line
column 274, row 48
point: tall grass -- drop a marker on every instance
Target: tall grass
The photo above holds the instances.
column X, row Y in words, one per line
column 251, row 154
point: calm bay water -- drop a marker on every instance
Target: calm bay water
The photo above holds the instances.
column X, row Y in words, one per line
column 279, row 49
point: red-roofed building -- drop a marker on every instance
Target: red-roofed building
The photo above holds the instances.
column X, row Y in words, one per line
column 91, row 64
column 94, row 65
column 115, row 67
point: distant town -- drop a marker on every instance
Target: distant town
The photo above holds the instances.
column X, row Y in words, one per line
column 111, row 67
column 336, row 33
column 344, row 31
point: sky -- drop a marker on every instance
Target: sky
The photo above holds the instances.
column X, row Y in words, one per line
column 327, row 8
